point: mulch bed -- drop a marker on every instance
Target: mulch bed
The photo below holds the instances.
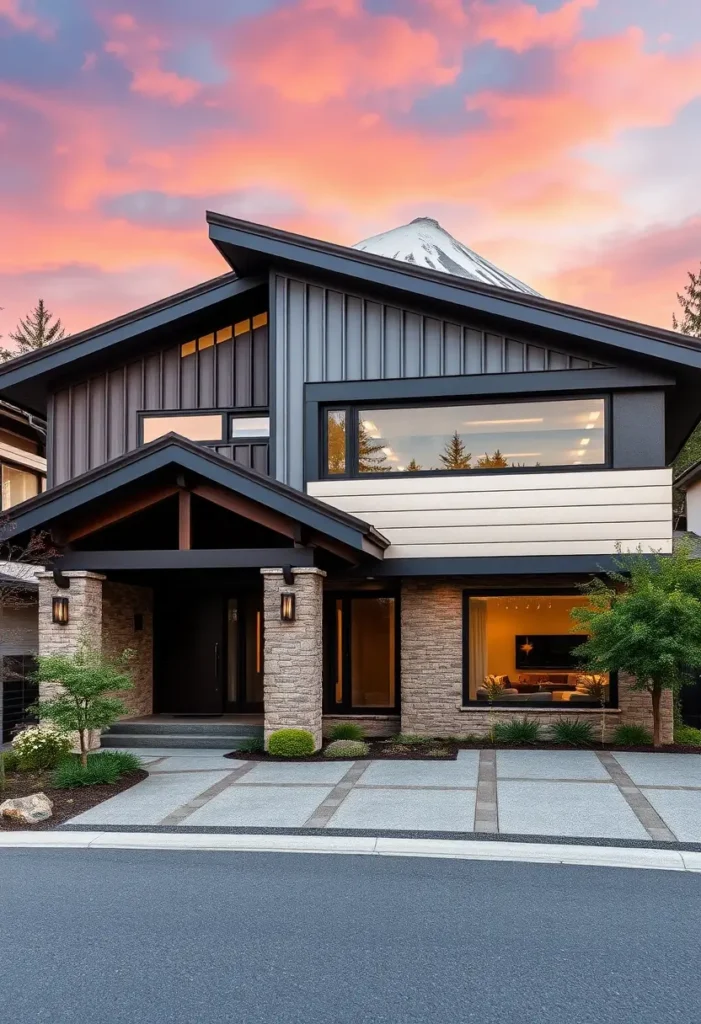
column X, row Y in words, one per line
column 67, row 802
column 381, row 750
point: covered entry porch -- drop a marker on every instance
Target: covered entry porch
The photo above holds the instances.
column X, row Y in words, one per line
column 211, row 573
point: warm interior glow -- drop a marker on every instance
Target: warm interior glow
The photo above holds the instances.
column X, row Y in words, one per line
column 195, row 428
column 260, row 320
column 225, row 334
column 207, row 341
column 242, row 327
column 188, row 349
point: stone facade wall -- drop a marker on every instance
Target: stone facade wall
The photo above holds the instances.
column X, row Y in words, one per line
column 374, row 726
column 293, row 654
column 120, row 603
column 432, row 674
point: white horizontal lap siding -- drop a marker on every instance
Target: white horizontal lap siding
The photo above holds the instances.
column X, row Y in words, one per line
column 520, row 514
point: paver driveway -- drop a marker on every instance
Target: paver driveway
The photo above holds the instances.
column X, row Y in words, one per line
column 575, row 793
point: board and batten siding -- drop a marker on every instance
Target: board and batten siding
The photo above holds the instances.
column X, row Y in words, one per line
column 96, row 420
column 323, row 335
column 559, row 513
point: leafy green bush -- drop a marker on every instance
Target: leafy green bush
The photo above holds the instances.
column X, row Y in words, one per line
column 254, row 745
column 569, row 730
column 523, row 730
column 347, row 731
column 291, row 743
column 102, row 769
column 406, row 739
column 347, row 748
column 632, row 736
column 10, row 761
column 687, row 736
column 40, row 747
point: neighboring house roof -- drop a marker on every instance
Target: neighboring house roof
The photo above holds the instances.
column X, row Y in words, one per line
column 20, row 583
column 174, row 450
column 424, row 243
column 689, row 476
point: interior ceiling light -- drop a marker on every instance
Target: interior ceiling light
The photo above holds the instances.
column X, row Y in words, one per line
column 594, row 415
column 585, row 440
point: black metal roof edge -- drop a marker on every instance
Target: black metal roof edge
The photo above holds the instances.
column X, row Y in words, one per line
column 402, row 269
column 689, row 475
column 206, row 455
column 126, row 320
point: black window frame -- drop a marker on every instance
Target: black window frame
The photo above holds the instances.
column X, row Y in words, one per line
column 351, row 410
column 226, row 415
column 566, row 707
column 346, row 707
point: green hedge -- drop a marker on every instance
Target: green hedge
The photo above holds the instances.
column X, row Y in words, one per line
column 291, row 743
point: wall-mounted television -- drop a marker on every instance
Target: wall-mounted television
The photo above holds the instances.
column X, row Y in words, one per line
column 548, row 652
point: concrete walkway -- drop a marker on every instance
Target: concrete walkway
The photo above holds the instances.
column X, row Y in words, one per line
column 573, row 794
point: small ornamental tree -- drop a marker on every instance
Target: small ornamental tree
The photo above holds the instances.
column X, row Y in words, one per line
column 494, row 461
column 645, row 620
column 86, row 701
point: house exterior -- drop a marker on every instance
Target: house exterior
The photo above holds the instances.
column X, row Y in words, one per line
column 330, row 484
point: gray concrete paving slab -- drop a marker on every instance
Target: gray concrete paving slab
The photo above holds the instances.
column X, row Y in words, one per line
column 680, row 809
column 206, row 762
column 280, row 806
column 568, row 809
column 437, row 810
column 661, row 769
column 550, row 764
column 328, row 772
column 423, row 773
column 149, row 801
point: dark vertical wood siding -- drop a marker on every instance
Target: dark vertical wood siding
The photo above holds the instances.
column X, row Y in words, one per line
column 97, row 419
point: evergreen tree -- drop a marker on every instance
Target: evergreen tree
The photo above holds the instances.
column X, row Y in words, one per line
column 690, row 302
column 454, row 455
column 34, row 332
column 413, row 467
column 371, row 457
column 495, row 461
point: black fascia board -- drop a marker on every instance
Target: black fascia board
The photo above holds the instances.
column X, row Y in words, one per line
column 502, row 565
column 251, row 248
column 172, row 449
column 195, row 558
column 25, row 379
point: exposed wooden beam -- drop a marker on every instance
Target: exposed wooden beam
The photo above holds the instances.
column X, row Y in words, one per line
column 197, row 558
column 117, row 511
column 334, row 547
column 248, row 509
column 184, row 521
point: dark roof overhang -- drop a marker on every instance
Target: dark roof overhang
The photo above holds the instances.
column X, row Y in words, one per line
column 177, row 453
column 27, row 379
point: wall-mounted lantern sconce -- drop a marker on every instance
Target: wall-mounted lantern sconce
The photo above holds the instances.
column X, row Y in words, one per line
column 59, row 610
column 287, row 607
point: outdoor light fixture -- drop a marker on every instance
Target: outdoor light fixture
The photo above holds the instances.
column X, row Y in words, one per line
column 59, row 610
column 287, row 607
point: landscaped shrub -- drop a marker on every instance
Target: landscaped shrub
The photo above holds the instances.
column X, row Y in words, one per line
column 632, row 736
column 10, row 761
column 569, row 730
column 347, row 748
column 524, row 730
column 687, row 736
column 40, row 747
column 254, row 745
column 291, row 743
column 406, row 739
column 101, row 769
column 347, row 731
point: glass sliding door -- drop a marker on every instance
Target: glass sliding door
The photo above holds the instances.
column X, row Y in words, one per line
column 244, row 653
column 361, row 654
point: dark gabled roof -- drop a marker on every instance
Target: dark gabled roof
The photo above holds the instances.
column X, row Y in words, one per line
column 24, row 379
column 249, row 248
column 174, row 450
column 688, row 476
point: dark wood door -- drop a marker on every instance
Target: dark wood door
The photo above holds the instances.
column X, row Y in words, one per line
column 190, row 653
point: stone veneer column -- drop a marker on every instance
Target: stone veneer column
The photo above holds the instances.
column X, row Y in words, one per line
column 84, row 621
column 293, row 653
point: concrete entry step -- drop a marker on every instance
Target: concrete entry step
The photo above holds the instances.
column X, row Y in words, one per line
column 195, row 741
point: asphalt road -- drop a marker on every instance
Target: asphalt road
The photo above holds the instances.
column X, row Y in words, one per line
column 122, row 936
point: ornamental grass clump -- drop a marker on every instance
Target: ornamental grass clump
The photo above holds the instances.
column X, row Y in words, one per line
column 40, row 747
column 522, row 730
column 347, row 748
column 103, row 769
column 347, row 731
column 572, row 732
column 291, row 743
column 632, row 736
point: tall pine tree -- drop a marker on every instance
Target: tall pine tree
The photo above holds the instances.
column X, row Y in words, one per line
column 34, row 332
column 690, row 323
column 454, row 455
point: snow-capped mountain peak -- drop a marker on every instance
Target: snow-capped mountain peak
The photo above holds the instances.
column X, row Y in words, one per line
column 424, row 243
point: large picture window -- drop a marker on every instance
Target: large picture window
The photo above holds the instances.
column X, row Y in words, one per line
column 446, row 438
column 519, row 649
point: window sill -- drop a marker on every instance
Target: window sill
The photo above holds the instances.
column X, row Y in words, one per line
column 565, row 708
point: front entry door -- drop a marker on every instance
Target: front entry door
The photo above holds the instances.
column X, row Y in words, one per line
column 191, row 653
column 244, row 655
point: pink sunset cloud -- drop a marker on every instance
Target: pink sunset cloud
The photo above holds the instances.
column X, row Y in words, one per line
column 340, row 119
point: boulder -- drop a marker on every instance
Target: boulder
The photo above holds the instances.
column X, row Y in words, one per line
column 28, row 809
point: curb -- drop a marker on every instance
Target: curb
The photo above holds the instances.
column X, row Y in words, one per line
column 529, row 853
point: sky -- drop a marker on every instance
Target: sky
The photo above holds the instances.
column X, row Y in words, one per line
column 559, row 138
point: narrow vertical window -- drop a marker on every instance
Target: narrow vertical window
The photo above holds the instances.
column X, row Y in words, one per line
column 335, row 441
